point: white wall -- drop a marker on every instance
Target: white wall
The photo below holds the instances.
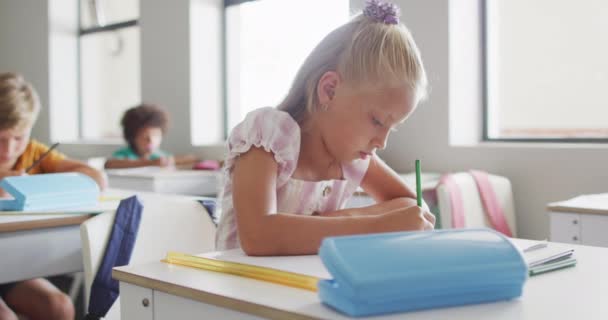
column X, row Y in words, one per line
column 165, row 63
column 24, row 48
column 36, row 41
column 181, row 68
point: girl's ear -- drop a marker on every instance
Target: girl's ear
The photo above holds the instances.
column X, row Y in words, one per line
column 326, row 88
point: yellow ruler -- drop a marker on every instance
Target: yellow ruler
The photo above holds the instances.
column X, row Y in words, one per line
column 287, row 278
column 110, row 198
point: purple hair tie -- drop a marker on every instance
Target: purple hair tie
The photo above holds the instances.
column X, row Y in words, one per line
column 385, row 12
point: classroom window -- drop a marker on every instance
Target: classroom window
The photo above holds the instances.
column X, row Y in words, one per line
column 546, row 70
column 266, row 42
column 109, row 64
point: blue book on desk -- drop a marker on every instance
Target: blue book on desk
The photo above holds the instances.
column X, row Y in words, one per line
column 49, row 191
column 404, row 271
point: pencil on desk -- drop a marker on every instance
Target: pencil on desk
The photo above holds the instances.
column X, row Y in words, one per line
column 41, row 157
column 418, row 184
column 537, row 246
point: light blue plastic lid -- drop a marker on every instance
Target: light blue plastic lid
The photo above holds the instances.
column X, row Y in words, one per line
column 49, row 191
column 447, row 267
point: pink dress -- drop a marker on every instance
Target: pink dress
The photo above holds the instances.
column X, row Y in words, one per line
column 276, row 132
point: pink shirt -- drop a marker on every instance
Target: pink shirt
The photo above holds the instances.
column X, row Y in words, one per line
column 277, row 132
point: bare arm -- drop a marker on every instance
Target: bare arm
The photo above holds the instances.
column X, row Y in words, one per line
column 126, row 163
column 187, row 159
column 263, row 231
column 375, row 209
column 68, row 165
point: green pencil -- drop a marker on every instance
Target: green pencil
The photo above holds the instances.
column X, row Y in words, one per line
column 418, row 184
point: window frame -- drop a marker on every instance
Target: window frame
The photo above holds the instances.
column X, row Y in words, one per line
column 225, row 113
column 485, row 68
column 84, row 32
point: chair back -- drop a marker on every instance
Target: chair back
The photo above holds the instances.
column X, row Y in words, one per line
column 461, row 193
column 168, row 223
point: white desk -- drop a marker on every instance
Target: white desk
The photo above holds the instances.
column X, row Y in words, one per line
column 42, row 245
column 163, row 180
column 39, row 246
column 581, row 220
column 161, row 291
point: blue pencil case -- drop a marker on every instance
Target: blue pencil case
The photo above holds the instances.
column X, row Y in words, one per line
column 49, row 191
column 405, row 271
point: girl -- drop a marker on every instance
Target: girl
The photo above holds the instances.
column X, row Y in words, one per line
column 290, row 170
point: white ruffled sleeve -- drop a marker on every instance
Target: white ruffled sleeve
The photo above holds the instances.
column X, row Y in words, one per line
column 271, row 129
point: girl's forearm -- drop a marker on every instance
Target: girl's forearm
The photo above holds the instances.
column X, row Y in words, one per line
column 375, row 209
column 185, row 159
column 290, row 234
column 124, row 163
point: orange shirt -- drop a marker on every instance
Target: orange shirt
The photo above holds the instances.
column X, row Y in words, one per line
column 32, row 152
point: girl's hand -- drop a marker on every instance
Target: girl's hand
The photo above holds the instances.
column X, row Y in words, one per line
column 430, row 217
column 408, row 219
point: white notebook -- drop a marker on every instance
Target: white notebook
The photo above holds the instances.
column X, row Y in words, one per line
column 543, row 257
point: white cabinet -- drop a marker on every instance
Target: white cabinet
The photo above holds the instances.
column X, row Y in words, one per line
column 136, row 302
column 565, row 227
column 168, row 306
column 142, row 303
column 595, row 230
column 582, row 220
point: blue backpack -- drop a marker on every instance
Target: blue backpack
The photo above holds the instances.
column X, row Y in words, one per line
column 104, row 289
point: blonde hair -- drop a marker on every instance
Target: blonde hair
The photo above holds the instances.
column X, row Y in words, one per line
column 19, row 103
column 366, row 54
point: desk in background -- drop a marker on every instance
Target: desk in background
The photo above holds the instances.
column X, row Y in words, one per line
column 41, row 244
column 164, row 180
column 162, row 291
column 581, row 220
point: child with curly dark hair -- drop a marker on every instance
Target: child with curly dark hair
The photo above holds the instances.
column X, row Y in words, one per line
column 143, row 128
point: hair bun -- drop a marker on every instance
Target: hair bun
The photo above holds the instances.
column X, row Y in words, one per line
column 385, row 12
